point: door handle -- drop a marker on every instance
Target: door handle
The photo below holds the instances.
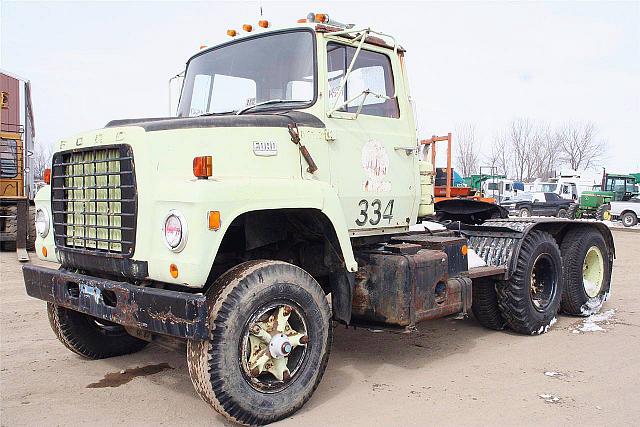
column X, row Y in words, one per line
column 407, row 150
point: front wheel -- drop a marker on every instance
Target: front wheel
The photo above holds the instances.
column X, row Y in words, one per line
column 603, row 213
column 525, row 213
column 562, row 213
column 269, row 343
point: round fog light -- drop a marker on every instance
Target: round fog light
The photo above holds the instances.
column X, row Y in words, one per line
column 42, row 222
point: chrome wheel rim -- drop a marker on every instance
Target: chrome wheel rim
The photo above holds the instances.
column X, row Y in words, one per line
column 273, row 346
column 593, row 272
column 543, row 282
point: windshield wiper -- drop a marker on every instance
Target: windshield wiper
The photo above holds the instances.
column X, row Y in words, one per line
column 222, row 113
column 271, row 101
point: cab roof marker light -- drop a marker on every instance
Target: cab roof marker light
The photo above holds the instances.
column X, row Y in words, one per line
column 232, row 33
column 323, row 18
column 263, row 23
column 247, row 27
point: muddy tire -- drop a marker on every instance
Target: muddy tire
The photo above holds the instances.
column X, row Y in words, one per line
column 603, row 212
column 237, row 371
column 485, row 305
column 586, row 272
column 572, row 212
column 629, row 219
column 90, row 337
column 530, row 299
column 563, row 213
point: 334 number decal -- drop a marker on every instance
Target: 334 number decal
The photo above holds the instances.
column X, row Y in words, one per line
column 376, row 213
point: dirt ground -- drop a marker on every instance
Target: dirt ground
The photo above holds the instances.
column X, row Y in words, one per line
column 450, row 372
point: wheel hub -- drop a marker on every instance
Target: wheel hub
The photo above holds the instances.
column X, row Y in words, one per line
column 593, row 272
column 274, row 346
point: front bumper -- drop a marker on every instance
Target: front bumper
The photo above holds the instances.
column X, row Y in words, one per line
column 161, row 311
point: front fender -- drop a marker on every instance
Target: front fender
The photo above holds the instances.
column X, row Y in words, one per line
column 232, row 198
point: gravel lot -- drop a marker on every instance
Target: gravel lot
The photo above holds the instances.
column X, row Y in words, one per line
column 450, row 372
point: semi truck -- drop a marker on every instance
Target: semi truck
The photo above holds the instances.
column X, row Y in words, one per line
column 280, row 202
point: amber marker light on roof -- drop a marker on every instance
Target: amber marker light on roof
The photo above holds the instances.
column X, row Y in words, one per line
column 248, row 28
column 263, row 23
column 231, row 33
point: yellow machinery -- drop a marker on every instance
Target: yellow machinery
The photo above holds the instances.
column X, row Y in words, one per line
column 16, row 177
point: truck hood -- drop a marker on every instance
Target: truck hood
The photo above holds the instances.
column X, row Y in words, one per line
column 273, row 119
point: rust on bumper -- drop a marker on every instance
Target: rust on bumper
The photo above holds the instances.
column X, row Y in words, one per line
column 178, row 314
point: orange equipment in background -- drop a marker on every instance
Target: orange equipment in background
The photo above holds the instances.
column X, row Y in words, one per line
column 447, row 191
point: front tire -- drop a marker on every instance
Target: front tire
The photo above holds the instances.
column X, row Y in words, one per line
column 603, row 213
column 90, row 337
column 525, row 213
column 530, row 299
column 586, row 272
column 485, row 305
column 237, row 371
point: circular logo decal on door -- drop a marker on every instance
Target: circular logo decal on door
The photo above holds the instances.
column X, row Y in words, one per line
column 375, row 162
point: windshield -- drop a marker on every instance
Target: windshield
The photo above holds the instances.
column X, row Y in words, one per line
column 249, row 72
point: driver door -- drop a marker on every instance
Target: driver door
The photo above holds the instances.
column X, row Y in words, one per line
column 373, row 154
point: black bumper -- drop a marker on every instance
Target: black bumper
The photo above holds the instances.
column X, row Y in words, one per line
column 179, row 314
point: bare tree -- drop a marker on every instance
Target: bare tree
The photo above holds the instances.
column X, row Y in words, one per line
column 41, row 159
column 467, row 149
column 500, row 156
column 580, row 149
column 545, row 152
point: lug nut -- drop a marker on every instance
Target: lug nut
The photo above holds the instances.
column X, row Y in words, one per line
column 287, row 310
column 255, row 329
column 304, row 339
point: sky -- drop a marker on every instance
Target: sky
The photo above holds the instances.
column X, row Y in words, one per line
column 480, row 63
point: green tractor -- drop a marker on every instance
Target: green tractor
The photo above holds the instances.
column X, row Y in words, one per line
column 595, row 203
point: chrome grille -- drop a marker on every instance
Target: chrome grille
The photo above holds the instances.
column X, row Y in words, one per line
column 93, row 200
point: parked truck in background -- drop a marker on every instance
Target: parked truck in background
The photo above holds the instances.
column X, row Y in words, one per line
column 279, row 200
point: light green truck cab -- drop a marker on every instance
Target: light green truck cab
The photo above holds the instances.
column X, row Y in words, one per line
column 367, row 180
column 281, row 199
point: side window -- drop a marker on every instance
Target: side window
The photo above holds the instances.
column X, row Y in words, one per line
column 8, row 158
column 371, row 71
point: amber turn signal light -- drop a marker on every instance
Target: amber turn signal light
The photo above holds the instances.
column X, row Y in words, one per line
column 214, row 220
column 173, row 270
column 203, row 167
column 464, row 249
column 44, row 252
column 47, row 176
column 263, row 23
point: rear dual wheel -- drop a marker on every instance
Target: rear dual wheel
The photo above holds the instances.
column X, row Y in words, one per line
column 530, row 299
column 269, row 343
column 587, row 272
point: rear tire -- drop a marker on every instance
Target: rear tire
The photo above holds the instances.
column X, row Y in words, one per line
column 90, row 337
column 530, row 299
column 603, row 212
column 562, row 213
column 225, row 370
column 573, row 211
column 629, row 219
column 584, row 290
column 485, row 305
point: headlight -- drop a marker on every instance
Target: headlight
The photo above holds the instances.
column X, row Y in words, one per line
column 174, row 231
column 42, row 223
